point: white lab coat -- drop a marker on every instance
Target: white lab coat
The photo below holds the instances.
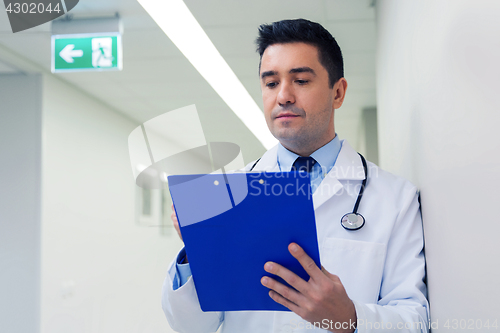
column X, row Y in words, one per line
column 381, row 265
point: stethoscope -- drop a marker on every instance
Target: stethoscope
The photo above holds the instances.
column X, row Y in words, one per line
column 354, row 220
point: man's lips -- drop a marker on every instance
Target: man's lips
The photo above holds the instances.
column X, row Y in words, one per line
column 286, row 115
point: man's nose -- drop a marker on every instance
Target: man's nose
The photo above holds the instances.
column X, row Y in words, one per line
column 286, row 95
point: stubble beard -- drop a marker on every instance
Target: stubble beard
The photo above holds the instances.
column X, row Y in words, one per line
column 305, row 138
column 296, row 139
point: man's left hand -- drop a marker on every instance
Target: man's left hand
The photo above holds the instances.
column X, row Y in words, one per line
column 321, row 298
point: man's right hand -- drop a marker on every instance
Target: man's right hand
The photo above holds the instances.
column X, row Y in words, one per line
column 176, row 226
column 175, row 221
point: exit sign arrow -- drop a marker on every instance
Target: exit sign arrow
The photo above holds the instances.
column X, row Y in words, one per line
column 68, row 53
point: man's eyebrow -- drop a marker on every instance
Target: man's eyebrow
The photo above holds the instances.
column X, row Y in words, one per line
column 293, row 70
column 268, row 73
column 303, row 70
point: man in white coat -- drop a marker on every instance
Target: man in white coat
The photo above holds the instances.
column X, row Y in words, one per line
column 372, row 279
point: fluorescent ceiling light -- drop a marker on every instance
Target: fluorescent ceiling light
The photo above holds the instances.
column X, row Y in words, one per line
column 175, row 19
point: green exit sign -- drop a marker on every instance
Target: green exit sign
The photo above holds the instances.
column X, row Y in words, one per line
column 86, row 52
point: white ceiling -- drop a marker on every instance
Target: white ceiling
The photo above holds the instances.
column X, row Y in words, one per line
column 157, row 78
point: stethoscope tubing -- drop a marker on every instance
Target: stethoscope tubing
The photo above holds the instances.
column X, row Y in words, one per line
column 363, row 185
column 347, row 221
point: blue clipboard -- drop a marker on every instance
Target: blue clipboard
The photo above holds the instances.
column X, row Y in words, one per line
column 232, row 224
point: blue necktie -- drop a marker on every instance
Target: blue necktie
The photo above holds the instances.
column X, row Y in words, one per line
column 303, row 164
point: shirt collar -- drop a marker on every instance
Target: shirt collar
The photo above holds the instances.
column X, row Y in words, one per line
column 325, row 156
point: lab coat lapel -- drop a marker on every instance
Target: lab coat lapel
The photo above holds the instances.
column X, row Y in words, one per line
column 348, row 166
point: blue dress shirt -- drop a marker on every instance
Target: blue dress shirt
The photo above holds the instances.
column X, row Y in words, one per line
column 325, row 159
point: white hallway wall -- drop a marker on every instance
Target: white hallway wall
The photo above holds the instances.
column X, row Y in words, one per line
column 438, row 81
column 100, row 271
column 20, row 202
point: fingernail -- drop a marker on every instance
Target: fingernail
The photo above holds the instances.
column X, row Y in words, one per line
column 269, row 266
column 265, row 280
column 295, row 248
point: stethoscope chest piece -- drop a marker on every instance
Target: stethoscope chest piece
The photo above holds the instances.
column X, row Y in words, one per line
column 352, row 221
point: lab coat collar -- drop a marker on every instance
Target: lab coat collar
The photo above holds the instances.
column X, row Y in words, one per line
column 268, row 161
column 348, row 166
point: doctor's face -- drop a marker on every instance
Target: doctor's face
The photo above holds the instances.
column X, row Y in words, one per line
column 298, row 101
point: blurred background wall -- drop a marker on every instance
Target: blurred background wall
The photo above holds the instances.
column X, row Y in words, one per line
column 101, row 271
column 20, row 202
column 437, row 96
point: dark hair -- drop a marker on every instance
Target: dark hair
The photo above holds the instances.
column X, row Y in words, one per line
column 301, row 30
